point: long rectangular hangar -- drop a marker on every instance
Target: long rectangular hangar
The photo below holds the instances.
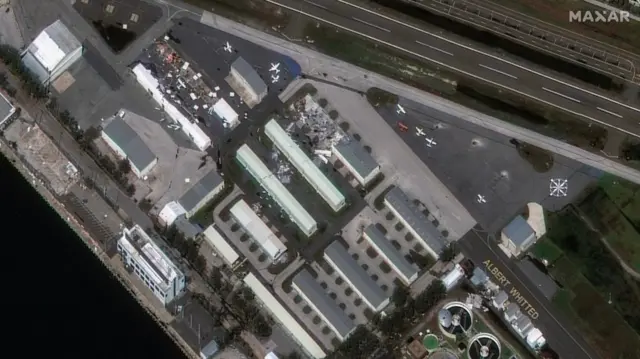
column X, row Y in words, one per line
column 301, row 161
column 252, row 163
column 394, row 258
column 282, row 315
column 307, row 287
column 257, row 229
column 221, row 245
column 338, row 257
column 417, row 223
column 360, row 163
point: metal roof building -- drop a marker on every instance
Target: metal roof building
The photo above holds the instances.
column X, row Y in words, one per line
column 201, row 193
column 417, row 223
column 170, row 213
column 301, row 161
column 150, row 84
column 359, row 162
column 122, row 139
column 267, row 180
column 392, row 256
column 282, row 315
column 150, row 264
column 223, row 110
column 52, row 52
column 518, row 236
column 258, row 230
column 325, row 307
column 338, row 257
column 244, row 79
column 220, row 244
column 6, row 109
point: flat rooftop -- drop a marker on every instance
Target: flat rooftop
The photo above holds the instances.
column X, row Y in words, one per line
column 6, row 108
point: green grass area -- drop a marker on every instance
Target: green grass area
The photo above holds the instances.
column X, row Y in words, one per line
column 614, row 226
column 546, row 250
column 589, row 276
column 625, row 34
column 625, row 195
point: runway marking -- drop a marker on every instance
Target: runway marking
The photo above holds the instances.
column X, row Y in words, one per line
column 314, row 4
column 508, row 88
column 498, row 71
column 370, row 24
column 561, row 95
column 483, row 53
column 609, row 112
column 433, row 48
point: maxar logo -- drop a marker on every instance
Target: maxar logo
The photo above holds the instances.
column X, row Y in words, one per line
column 599, row 16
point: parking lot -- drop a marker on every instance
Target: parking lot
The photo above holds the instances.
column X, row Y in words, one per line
column 119, row 22
column 194, row 324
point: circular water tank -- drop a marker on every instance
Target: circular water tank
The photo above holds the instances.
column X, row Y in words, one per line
column 484, row 346
column 458, row 319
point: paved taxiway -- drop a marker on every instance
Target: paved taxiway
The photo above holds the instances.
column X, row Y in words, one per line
column 495, row 70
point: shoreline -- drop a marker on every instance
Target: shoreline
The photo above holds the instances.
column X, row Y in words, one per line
column 116, row 269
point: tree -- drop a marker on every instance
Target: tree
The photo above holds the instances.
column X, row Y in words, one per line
column 200, row 264
column 449, row 252
column 400, row 295
column 124, row 166
column 131, row 189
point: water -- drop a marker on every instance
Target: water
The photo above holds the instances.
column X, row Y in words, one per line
column 58, row 298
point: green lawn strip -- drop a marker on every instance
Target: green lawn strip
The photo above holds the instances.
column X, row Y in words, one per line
column 546, row 250
column 625, row 194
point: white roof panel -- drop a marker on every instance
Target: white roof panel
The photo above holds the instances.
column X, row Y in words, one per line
column 281, row 314
column 257, row 229
column 276, row 190
column 303, row 163
column 220, row 244
column 170, row 212
column 47, row 51
column 225, row 111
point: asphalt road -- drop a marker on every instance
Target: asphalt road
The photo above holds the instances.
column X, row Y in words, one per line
column 499, row 71
column 483, row 251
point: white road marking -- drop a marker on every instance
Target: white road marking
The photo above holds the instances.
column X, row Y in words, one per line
column 498, row 71
column 508, row 88
column 485, row 54
column 370, row 24
column 609, row 112
column 314, row 4
column 561, row 95
column 433, row 48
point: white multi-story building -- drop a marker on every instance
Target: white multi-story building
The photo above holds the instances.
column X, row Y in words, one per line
column 151, row 265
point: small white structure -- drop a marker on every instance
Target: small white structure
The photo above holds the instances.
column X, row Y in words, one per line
column 52, row 52
column 6, row 109
column 282, row 315
column 170, row 212
column 226, row 113
column 150, row 84
column 267, row 180
column 453, row 277
column 151, row 265
column 305, row 166
column 221, row 246
column 258, row 230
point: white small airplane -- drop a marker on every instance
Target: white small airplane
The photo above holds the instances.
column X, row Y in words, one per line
column 275, row 78
column 419, row 132
column 275, row 67
column 430, row 142
column 401, row 110
column 480, row 199
column 227, row 47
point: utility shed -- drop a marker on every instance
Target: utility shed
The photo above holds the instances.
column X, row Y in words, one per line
column 126, row 143
column 258, row 230
column 244, row 79
column 338, row 257
column 201, row 193
column 267, row 180
column 415, row 221
column 518, row 236
column 359, row 162
column 392, row 256
column 220, row 244
column 52, row 52
column 320, row 183
column 282, row 315
column 325, row 307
